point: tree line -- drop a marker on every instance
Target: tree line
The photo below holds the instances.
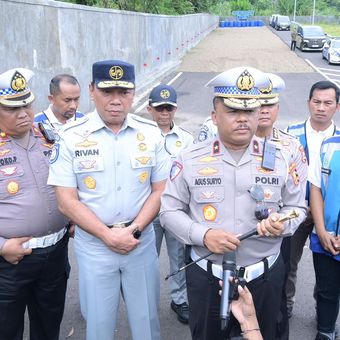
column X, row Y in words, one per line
column 219, row 7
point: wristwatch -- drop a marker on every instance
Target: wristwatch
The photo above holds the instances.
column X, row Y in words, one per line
column 136, row 232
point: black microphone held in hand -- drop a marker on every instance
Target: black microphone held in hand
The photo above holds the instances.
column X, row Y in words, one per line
column 229, row 269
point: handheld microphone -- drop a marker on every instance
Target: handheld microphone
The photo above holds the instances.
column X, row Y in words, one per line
column 229, row 268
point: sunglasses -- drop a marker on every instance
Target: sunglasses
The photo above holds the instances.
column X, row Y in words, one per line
column 161, row 108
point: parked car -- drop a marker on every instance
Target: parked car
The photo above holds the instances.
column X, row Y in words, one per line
column 282, row 22
column 331, row 51
column 310, row 38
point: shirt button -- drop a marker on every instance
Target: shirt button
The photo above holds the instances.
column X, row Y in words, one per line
column 118, row 163
column 116, row 138
column 119, row 188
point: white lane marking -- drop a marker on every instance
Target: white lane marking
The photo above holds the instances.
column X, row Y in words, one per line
column 322, row 73
column 141, row 107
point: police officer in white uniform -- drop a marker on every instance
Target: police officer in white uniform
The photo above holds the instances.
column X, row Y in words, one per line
column 109, row 170
column 162, row 107
column 209, row 200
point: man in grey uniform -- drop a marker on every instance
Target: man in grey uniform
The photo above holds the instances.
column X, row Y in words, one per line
column 33, row 236
column 162, row 107
column 109, row 170
column 209, row 200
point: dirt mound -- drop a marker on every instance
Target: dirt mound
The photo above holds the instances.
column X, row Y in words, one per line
column 258, row 47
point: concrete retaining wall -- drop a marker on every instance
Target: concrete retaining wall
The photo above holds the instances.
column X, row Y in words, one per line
column 52, row 37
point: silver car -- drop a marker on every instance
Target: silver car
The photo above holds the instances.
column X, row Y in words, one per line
column 331, row 51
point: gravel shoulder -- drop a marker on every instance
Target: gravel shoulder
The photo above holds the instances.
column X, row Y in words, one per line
column 258, row 47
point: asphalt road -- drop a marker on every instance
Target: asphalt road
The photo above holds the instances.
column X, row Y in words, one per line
column 195, row 104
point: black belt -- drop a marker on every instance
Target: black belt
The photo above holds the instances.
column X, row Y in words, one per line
column 120, row 225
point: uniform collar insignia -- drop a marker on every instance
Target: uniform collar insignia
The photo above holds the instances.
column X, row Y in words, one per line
column 216, row 148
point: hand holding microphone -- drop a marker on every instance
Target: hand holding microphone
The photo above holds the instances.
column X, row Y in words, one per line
column 229, row 268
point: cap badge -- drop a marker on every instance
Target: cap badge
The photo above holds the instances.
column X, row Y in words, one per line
column 116, row 72
column 165, row 94
column 18, row 82
column 245, row 81
column 267, row 90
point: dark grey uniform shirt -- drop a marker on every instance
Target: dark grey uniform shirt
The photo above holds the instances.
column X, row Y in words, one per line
column 208, row 189
column 28, row 205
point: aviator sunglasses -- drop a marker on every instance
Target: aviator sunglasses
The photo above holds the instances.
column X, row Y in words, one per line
column 167, row 107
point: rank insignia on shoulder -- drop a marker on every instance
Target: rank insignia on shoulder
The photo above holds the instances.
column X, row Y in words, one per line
column 175, row 170
column 55, row 153
column 216, row 147
column 12, row 187
column 256, row 147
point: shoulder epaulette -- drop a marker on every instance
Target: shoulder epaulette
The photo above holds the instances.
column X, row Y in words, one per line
column 185, row 130
column 196, row 149
column 287, row 134
column 143, row 120
column 37, row 132
column 40, row 116
column 74, row 123
column 4, row 137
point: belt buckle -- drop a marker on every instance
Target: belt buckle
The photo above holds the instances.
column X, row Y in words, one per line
column 118, row 225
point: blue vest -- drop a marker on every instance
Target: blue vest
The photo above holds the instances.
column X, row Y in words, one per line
column 299, row 131
column 330, row 189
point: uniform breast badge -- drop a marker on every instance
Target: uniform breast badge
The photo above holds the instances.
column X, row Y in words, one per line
column 207, row 171
column 143, row 176
column 178, row 143
column 142, row 147
column 140, row 136
column 9, row 171
column 209, row 213
column 12, row 187
column 90, row 182
column 4, row 152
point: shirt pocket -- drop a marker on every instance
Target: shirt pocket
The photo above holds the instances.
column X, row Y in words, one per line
column 141, row 165
column 208, row 205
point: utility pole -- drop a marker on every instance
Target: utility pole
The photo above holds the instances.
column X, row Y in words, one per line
column 313, row 15
column 294, row 10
